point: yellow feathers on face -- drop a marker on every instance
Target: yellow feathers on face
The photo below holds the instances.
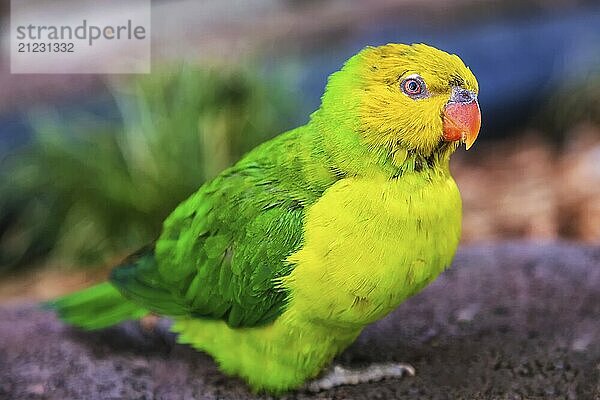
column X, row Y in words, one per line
column 402, row 92
column 389, row 115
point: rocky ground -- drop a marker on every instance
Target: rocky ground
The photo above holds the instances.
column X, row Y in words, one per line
column 508, row 321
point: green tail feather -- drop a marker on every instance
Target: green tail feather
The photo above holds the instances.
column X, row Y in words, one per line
column 96, row 307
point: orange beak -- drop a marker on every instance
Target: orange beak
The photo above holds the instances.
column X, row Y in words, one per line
column 462, row 121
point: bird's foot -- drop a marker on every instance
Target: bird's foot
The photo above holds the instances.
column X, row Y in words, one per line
column 338, row 375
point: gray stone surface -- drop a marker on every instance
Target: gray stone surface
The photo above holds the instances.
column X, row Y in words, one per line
column 508, row 321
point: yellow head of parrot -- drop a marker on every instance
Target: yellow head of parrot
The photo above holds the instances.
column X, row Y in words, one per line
column 403, row 99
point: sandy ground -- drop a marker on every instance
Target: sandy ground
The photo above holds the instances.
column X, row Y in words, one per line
column 509, row 321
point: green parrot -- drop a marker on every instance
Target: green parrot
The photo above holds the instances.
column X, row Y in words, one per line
column 277, row 264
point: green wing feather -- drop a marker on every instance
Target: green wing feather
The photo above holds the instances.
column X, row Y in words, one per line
column 96, row 307
column 222, row 248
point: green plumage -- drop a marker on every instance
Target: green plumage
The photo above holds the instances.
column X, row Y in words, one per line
column 277, row 264
column 97, row 307
column 222, row 249
column 213, row 259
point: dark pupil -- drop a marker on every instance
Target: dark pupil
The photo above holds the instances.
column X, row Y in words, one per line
column 413, row 86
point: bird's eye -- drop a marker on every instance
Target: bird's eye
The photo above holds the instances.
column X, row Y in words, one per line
column 413, row 87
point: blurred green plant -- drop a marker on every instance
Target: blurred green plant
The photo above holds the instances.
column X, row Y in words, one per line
column 575, row 102
column 88, row 189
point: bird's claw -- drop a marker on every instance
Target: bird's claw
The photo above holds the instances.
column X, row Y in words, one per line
column 338, row 375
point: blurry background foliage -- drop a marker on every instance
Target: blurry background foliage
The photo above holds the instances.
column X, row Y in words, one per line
column 573, row 102
column 86, row 188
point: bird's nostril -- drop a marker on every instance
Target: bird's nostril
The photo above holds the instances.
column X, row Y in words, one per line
column 462, row 96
